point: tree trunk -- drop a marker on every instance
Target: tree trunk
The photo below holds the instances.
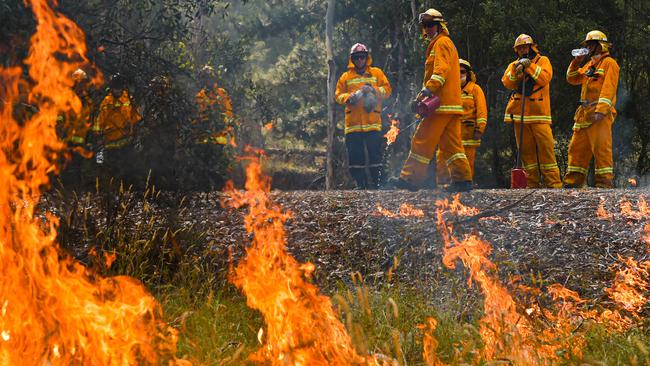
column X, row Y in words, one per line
column 331, row 85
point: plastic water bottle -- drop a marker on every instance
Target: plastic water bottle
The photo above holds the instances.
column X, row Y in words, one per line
column 99, row 157
column 580, row 52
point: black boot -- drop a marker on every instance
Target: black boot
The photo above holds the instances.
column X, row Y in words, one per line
column 399, row 183
column 359, row 176
column 464, row 186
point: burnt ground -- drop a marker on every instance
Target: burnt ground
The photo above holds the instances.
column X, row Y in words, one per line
column 544, row 236
column 554, row 236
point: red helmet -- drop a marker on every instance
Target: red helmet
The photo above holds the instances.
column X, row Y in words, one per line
column 358, row 48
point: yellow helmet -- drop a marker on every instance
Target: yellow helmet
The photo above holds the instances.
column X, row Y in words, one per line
column 523, row 39
column 431, row 14
column 79, row 75
column 597, row 36
column 465, row 63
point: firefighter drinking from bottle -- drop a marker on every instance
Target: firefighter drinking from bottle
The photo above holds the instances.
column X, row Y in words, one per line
column 592, row 130
column 442, row 126
column 362, row 88
column 536, row 141
column 473, row 120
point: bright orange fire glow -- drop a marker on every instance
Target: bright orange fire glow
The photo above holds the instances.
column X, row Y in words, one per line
column 301, row 325
column 391, row 135
column 630, row 284
column 405, row 210
column 602, row 212
column 632, row 182
column 53, row 310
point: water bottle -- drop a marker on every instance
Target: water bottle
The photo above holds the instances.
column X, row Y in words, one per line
column 99, row 157
column 580, row 52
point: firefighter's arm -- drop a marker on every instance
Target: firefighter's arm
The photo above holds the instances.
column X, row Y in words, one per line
column 541, row 72
column 481, row 108
column 573, row 74
column 382, row 88
column 442, row 54
column 342, row 94
column 510, row 78
column 608, row 91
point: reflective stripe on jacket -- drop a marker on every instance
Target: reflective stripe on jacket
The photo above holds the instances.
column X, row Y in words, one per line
column 356, row 118
column 538, row 105
column 474, row 116
column 598, row 90
column 442, row 74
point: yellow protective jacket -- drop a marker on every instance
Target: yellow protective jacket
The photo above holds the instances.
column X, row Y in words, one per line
column 598, row 90
column 442, row 73
column 356, row 118
column 474, row 112
column 538, row 104
column 210, row 102
column 116, row 120
column 76, row 127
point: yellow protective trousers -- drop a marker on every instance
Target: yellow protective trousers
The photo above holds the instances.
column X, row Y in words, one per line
column 537, row 154
column 442, row 130
column 593, row 141
column 442, row 171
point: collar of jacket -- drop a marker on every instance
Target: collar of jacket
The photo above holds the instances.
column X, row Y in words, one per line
column 469, row 86
column 351, row 64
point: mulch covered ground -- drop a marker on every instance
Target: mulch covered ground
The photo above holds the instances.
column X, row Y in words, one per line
column 553, row 236
column 543, row 236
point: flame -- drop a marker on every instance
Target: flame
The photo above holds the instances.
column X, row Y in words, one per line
column 632, row 182
column 391, row 135
column 630, row 284
column 405, row 210
column 642, row 211
column 602, row 212
column 54, row 310
column 268, row 126
column 430, row 344
column 301, row 325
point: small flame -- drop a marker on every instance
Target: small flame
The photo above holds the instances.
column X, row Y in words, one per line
column 632, row 181
column 268, row 126
column 405, row 210
column 602, row 212
column 391, row 135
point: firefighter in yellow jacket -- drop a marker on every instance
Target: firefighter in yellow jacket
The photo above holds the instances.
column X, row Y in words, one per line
column 117, row 116
column 592, row 130
column 215, row 123
column 473, row 120
column 442, row 127
column 362, row 88
column 536, row 146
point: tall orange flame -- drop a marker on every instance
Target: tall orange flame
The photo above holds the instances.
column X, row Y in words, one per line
column 301, row 325
column 53, row 310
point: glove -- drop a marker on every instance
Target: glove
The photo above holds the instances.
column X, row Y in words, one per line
column 367, row 89
column 424, row 93
column 354, row 97
column 519, row 70
column 525, row 62
column 598, row 116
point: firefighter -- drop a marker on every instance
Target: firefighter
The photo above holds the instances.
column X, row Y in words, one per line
column 214, row 124
column 211, row 131
column 537, row 143
column 442, row 127
column 362, row 88
column 74, row 129
column 473, row 120
column 592, row 130
column 114, row 125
